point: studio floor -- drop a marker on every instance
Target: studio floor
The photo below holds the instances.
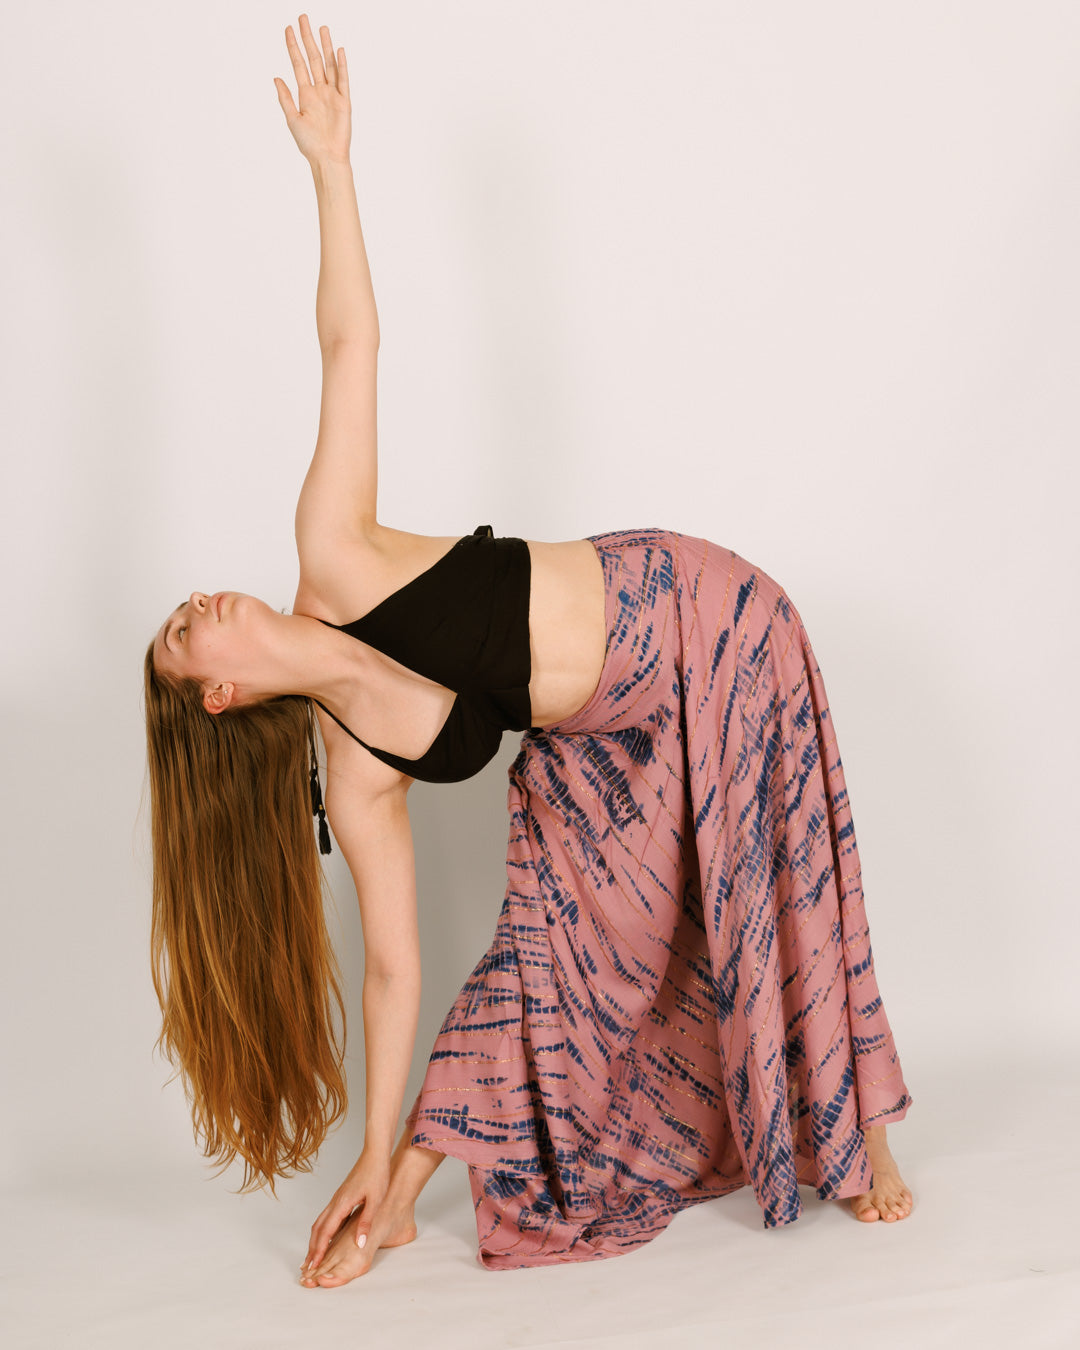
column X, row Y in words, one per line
column 988, row 1257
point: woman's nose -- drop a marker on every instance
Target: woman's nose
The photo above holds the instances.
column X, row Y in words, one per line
column 198, row 600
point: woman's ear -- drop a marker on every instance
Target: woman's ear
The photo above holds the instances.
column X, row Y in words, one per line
column 218, row 699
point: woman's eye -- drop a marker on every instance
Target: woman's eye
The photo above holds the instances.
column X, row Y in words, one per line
column 180, row 633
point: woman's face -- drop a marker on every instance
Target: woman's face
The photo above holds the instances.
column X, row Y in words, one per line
column 220, row 640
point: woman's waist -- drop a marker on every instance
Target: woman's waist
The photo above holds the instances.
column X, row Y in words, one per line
column 567, row 627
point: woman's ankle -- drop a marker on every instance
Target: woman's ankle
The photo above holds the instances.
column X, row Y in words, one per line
column 412, row 1169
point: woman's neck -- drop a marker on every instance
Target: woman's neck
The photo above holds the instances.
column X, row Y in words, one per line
column 318, row 661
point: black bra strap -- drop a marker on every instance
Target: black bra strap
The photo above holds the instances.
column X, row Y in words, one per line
column 341, row 724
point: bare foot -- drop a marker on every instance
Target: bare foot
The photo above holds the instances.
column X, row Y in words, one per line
column 888, row 1197
column 344, row 1260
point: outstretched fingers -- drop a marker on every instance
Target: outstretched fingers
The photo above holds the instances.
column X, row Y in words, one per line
column 284, row 93
column 296, row 56
column 326, row 67
column 318, row 70
column 342, row 71
column 328, row 56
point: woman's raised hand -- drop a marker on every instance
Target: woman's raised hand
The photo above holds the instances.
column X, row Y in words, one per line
column 323, row 125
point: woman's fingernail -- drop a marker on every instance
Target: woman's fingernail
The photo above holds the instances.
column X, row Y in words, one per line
column 361, row 1239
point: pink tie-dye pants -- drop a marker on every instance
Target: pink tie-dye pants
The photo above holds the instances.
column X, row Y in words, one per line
column 680, row 997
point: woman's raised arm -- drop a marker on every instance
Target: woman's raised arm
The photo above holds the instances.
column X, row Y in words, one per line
column 338, row 496
column 322, row 128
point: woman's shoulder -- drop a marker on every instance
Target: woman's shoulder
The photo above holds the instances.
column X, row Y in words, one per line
column 343, row 577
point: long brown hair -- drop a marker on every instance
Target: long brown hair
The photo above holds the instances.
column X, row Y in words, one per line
column 241, row 959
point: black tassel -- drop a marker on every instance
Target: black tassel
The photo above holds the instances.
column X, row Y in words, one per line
column 317, row 808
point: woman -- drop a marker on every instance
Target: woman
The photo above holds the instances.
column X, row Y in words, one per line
column 680, row 997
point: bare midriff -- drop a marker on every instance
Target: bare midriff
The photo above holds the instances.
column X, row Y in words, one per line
column 568, row 628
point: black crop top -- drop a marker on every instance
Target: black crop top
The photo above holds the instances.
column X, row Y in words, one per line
column 465, row 624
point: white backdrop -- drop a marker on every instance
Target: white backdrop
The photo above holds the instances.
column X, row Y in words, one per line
column 801, row 279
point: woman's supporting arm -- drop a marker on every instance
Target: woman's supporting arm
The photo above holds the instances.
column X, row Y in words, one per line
column 376, row 838
column 365, row 801
column 391, row 1011
column 345, row 300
